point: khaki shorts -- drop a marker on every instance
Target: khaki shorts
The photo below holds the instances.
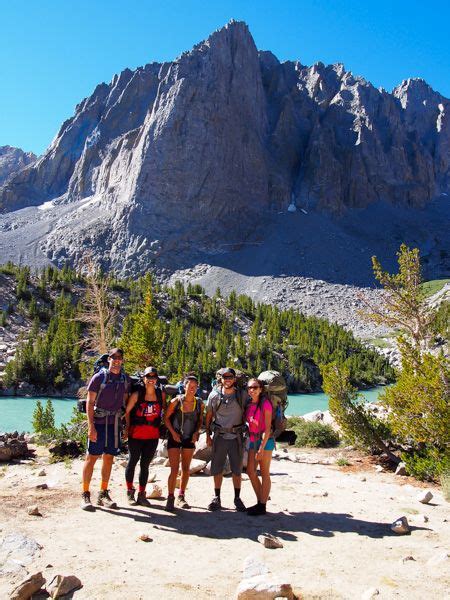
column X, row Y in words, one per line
column 223, row 448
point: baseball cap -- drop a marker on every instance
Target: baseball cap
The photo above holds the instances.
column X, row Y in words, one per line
column 115, row 351
column 150, row 371
column 227, row 370
column 192, row 376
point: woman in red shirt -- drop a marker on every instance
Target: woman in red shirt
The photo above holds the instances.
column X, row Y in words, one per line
column 258, row 416
column 143, row 418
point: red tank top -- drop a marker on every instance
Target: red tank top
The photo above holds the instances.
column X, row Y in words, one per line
column 145, row 419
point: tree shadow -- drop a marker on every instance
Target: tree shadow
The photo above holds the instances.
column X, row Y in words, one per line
column 229, row 524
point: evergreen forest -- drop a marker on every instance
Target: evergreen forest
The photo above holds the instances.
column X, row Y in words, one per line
column 69, row 318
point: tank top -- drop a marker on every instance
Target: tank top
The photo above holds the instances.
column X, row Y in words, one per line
column 145, row 418
column 185, row 423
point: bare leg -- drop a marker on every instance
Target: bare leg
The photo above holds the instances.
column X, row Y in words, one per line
column 237, row 479
column 186, row 457
column 251, row 472
column 88, row 469
column 107, row 464
column 174, row 460
column 218, row 481
column 264, row 466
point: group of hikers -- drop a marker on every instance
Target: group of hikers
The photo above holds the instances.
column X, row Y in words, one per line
column 232, row 420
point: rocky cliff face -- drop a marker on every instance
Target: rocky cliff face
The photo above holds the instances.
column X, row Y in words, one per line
column 199, row 148
column 13, row 160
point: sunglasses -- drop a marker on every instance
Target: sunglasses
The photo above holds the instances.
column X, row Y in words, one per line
column 116, row 357
column 228, row 377
column 253, row 387
column 151, row 376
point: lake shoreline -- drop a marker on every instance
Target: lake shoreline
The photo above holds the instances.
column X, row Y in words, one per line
column 17, row 411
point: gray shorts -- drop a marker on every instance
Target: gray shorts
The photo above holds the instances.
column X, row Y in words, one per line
column 223, row 448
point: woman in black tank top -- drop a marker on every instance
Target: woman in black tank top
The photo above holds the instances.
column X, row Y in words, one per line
column 183, row 420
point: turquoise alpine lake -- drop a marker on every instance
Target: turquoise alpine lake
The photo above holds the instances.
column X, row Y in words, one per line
column 16, row 413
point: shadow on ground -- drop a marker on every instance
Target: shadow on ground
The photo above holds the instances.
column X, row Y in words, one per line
column 228, row 524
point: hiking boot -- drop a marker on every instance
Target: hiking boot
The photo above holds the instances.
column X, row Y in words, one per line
column 130, row 497
column 142, row 500
column 215, row 504
column 239, row 505
column 170, row 504
column 86, row 503
column 104, row 499
column 256, row 510
column 180, row 502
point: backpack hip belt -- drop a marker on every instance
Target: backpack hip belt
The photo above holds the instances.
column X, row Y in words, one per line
column 221, row 430
column 103, row 413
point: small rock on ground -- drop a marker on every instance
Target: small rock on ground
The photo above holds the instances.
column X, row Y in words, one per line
column 155, row 492
column 62, row 585
column 270, row 541
column 28, row 587
column 264, row 587
column 401, row 469
column 34, row 511
column 401, row 526
column 425, row 497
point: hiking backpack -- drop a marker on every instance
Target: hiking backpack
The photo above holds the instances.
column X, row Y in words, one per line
column 99, row 368
column 276, row 389
column 241, row 386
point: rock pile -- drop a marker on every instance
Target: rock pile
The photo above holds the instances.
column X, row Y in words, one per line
column 14, row 446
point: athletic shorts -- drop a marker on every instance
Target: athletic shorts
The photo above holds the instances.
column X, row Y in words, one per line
column 188, row 443
column 270, row 445
column 101, row 446
column 223, row 448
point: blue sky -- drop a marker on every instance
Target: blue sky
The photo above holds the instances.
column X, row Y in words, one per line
column 54, row 52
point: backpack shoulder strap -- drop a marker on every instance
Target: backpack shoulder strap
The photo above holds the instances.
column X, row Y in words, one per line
column 217, row 405
column 159, row 395
column 105, row 378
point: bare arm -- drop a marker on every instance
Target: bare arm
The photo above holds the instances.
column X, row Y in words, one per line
column 208, row 421
column 90, row 403
column 199, row 424
column 169, row 412
column 130, row 404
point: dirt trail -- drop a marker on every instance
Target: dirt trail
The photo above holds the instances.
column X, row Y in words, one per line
column 334, row 524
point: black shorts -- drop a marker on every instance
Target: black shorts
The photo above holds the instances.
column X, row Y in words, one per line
column 187, row 443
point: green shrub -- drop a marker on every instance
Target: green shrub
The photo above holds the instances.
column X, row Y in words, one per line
column 75, row 429
column 348, row 408
column 313, row 434
column 44, row 418
column 428, row 464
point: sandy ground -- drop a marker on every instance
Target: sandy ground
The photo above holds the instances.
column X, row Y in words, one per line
column 337, row 545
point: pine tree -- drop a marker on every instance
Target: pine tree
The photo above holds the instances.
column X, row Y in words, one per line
column 38, row 417
column 141, row 339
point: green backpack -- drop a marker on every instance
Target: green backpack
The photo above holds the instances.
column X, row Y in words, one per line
column 276, row 389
